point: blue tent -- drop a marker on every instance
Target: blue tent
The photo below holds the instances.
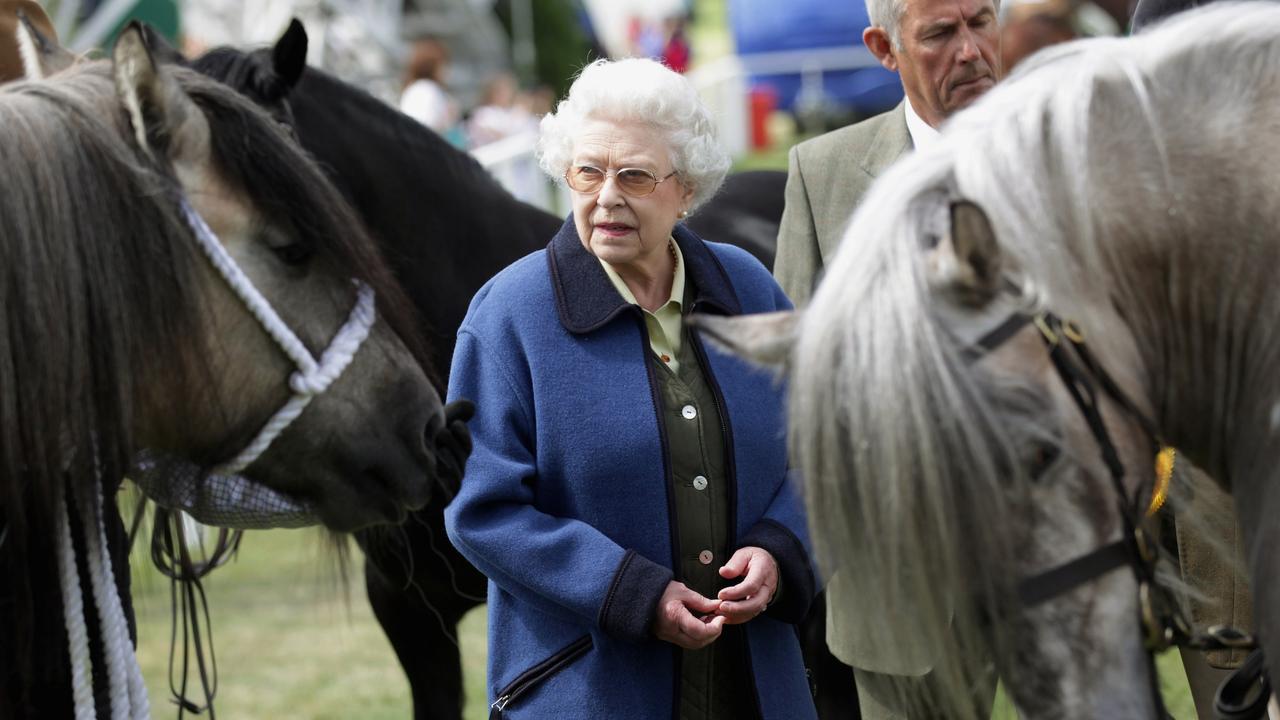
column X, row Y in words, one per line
column 812, row 35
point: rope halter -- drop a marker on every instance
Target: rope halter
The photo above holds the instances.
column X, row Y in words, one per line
column 312, row 377
column 128, row 698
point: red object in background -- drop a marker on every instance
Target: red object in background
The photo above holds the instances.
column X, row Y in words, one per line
column 763, row 100
column 676, row 53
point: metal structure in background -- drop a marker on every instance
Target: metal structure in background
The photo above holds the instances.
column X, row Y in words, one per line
column 364, row 42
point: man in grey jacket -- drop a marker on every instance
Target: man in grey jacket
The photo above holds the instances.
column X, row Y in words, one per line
column 947, row 54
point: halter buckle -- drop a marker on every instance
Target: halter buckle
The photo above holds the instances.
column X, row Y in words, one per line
column 1042, row 324
column 1073, row 332
column 1146, row 550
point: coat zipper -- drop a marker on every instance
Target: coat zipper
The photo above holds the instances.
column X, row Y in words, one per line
column 538, row 673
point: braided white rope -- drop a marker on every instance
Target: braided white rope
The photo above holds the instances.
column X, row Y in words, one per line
column 73, row 618
column 312, row 377
column 128, row 690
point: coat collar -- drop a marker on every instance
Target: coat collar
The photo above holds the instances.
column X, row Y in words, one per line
column 586, row 300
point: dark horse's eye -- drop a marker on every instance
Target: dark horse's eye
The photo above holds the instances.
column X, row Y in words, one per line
column 295, row 254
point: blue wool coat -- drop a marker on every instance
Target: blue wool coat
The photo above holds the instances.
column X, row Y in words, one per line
column 565, row 503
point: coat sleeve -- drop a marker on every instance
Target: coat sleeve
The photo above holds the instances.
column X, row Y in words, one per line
column 562, row 566
column 799, row 260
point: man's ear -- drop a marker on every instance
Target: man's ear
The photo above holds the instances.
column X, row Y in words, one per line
column 880, row 44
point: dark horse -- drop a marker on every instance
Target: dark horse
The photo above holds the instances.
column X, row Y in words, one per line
column 446, row 226
column 117, row 334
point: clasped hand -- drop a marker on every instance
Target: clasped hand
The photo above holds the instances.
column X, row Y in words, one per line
column 692, row 621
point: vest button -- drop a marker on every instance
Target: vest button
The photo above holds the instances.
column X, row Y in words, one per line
column 689, row 412
column 705, row 557
column 700, row 483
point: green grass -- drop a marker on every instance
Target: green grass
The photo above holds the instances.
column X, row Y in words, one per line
column 293, row 641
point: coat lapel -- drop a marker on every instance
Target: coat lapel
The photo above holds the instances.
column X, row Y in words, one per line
column 587, row 301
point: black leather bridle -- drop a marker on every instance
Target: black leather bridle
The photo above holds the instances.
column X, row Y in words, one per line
column 1162, row 620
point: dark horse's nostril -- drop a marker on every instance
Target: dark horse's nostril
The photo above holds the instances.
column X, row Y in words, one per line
column 452, row 445
column 435, row 423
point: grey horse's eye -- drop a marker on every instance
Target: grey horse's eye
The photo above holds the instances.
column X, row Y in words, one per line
column 1043, row 457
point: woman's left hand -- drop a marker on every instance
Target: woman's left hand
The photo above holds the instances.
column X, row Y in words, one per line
column 749, row 598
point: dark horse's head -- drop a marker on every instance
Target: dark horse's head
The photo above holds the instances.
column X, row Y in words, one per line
column 445, row 223
column 117, row 333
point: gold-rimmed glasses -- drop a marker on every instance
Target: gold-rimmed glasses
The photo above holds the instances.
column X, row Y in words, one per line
column 636, row 182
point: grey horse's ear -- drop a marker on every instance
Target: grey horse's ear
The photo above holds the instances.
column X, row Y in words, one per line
column 967, row 263
column 765, row 339
column 41, row 54
column 165, row 120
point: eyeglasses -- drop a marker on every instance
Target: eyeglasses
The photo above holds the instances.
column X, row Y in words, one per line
column 636, row 182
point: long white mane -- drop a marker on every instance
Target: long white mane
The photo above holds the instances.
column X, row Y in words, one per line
column 1108, row 168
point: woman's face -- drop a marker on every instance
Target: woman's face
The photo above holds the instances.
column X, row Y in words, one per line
column 620, row 228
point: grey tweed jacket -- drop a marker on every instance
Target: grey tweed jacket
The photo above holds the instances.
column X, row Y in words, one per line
column 825, row 182
column 827, row 178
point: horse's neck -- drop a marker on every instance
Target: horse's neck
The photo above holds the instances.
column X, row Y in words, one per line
column 1207, row 333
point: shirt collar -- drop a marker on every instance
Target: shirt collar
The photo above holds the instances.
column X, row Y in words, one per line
column 586, row 300
column 922, row 133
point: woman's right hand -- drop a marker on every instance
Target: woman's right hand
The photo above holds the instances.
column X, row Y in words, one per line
column 680, row 618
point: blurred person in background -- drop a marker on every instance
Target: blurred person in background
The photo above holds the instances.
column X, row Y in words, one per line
column 646, row 37
column 424, row 96
column 676, row 53
column 1030, row 25
column 628, row 494
column 947, row 55
column 500, row 113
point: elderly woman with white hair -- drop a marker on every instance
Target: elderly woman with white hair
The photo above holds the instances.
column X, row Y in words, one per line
column 628, row 495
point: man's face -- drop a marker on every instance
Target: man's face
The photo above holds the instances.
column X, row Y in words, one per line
column 950, row 54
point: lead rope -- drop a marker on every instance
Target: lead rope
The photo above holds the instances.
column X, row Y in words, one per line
column 73, row 618
column 127, row 691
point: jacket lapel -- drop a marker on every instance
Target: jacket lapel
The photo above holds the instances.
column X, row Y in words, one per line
column 891, row 142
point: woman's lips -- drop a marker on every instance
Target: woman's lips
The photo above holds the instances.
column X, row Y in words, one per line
column 613, row 229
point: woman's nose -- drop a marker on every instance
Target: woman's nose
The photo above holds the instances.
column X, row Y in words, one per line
column 610, row 195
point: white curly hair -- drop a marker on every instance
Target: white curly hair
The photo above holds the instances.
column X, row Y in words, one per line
column 646, row 92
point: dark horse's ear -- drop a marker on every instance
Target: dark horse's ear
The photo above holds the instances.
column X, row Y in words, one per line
column 967, row 263
column 165, row 120
column 289, row 58
column 161, row 49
